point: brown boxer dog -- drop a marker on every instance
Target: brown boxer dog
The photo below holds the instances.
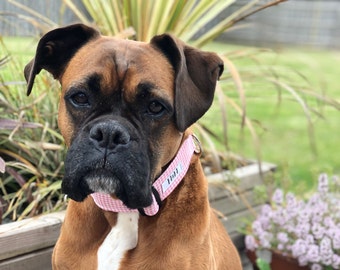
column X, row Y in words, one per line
column 138, row 193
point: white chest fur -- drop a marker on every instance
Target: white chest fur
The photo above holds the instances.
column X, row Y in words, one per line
column 122, row 237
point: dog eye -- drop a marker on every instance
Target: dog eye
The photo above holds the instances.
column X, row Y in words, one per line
column 80, row 99
column 155, row 108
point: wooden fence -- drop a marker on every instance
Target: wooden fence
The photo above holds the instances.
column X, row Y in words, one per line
column 295, row 22
column 312, row 23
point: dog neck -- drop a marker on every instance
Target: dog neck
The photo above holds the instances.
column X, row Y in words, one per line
column 162, row 187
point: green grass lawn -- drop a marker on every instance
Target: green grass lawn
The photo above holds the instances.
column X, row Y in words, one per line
column 300, row 150
column 283, row 130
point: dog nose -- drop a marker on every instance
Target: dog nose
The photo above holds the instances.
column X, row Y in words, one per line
column 109, row 134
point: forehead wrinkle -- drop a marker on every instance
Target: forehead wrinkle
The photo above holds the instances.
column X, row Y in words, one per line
column 121, row 61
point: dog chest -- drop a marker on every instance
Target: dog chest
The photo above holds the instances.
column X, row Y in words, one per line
column 121, row 238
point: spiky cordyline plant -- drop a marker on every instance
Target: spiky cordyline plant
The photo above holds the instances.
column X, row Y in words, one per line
column 30, row 145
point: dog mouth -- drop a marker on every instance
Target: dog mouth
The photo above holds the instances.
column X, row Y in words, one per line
column 102, row 181
column 131, row 185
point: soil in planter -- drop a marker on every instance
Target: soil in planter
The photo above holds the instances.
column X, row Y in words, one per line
column 214, row 162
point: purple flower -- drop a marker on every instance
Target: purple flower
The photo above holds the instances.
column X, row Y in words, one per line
column 328, row 222
column 336, row 239
column 280, row 216
column 326, row 259
column 318, row 231
column 299, row 248
column 257, row 227
column 316, row 266
column 325, row 243
column 306, row 230
column 303, row 261
column 280, row 246
column 265, row 239
column 250, row 242
column 290, row 199
column 265, row 222
column 290, row 227
column 309, row 239
column 282, row 237
column 292, row 205
column 305, row 215
column 278, row 196
column 302, row 229
column 326, row 251
column 314, row 200
column 336, row 261
column 323, row 183
column 266, row 210
column 318, row 211
column 313, row 254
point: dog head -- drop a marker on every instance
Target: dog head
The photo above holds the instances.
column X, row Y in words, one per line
column 124, row 106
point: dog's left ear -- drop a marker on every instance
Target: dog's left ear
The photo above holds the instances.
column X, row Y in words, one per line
column 196, row 74
column 55, row 49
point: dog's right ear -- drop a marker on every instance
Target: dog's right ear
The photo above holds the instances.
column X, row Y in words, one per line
column 196, row 74
column 55, row 49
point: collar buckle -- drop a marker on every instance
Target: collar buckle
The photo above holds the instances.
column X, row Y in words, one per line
column 197, row 143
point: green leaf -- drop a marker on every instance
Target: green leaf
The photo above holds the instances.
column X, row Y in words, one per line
column 262, row 264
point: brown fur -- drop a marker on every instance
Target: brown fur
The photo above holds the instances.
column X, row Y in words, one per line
column 186, row 233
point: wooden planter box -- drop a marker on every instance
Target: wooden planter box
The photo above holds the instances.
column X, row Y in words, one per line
column 28, row 244
column 240, row 205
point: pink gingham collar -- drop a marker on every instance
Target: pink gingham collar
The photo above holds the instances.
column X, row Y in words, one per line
column 162, row 187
